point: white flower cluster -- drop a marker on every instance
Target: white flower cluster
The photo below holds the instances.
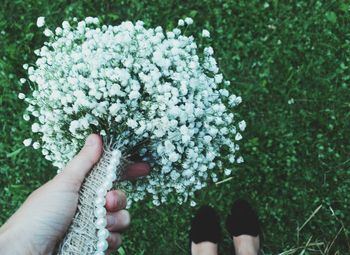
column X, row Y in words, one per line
column 143, row 86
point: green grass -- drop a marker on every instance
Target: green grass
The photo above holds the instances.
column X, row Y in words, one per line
column 289, row 60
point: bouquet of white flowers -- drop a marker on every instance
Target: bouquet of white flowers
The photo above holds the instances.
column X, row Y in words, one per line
column 148, row 93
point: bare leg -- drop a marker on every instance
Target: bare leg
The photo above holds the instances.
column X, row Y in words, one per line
column 246, row 244
column 204, row 248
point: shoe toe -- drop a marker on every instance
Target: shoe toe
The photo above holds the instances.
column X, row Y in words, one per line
column 205, row 226
column 243, row 219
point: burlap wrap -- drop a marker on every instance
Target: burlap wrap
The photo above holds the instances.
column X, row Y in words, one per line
column 81, row 237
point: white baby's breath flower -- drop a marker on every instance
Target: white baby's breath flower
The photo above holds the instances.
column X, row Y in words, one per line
column 36, row 145
column 26, row 117
column 21, row 96
column 218, row 79
column 189, row 21
column 27, row 142
column 45, row 152
column 74, row 125
column 131, row 123
column 35, row 127
column 242, row 125
column 291, row 101
column 238, row 137
column 58, row 31
column 134, row 95
column 173, row 157
column 181, row 23
column 22, row 80
column 227, row 171
column 48, row 32
column 205, row 33
column 40, row 22
column 234, row 100
column 208, row 51
column 65, row 25
column 238, row 100
column 207, row 138
column 240, row 160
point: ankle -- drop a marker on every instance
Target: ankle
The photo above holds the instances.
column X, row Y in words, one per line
column 246, row 252
column 246, row 244
column 204, row 248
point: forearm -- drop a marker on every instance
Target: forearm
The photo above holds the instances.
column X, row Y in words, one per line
column 6, row 243
column 11, row 243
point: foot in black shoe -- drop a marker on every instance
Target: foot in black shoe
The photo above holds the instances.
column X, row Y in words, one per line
column 243, row 225
column 205, row 232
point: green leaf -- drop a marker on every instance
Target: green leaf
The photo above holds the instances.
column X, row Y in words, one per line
column 14, row 153
column 121, row 251
column 331, row 17
column 344, row 7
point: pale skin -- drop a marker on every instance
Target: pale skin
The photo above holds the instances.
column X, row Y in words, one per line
column 244, row 245
column 40, row 223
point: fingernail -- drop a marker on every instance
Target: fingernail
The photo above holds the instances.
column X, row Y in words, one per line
column 90, row 141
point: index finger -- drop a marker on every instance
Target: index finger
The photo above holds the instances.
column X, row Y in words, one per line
column 136, row 170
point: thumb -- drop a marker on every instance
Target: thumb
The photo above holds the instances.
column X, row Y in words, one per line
column 76, row 170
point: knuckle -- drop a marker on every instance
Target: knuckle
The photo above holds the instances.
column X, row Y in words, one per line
column 119, row 199
column 110, row 220
column 118, row 221
column 125, row 218
column 114, row 241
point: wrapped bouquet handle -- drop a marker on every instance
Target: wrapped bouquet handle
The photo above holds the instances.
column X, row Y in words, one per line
column 154, row 93
column 87, row 233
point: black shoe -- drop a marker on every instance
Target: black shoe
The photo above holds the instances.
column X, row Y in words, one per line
column 205, row 226
column 242, row 220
